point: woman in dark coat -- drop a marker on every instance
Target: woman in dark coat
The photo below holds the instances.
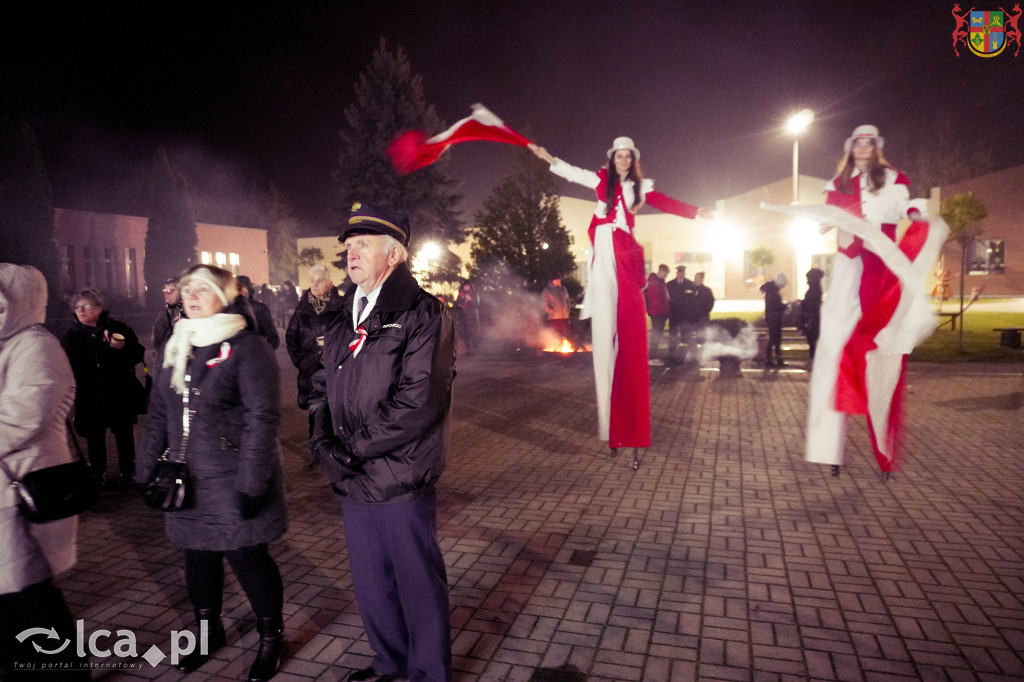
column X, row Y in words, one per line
column 103, row 353
column 774, row 309
column 231, row 381
column 810, row 309
column 287, row 299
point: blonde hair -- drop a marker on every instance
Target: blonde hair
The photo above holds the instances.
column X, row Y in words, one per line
column 223, row 280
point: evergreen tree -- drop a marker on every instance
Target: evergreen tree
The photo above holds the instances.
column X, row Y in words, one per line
column 171, row 235
column 26, row 206
column 310, row 256
column 389, row 99
column 520, row 226
column 280, row 223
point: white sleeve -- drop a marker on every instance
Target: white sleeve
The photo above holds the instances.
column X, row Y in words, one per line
column 921, row 205
column 579, row 176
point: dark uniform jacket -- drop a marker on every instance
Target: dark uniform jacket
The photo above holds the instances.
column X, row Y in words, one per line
column 233, row 442
column 391, row 403
column 303, row 340
column 108, row 394
column 682, row 301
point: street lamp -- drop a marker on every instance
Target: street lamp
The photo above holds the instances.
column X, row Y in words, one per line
column 796, row 124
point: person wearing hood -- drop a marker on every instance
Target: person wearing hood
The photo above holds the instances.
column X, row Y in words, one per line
column 218, row 397
column 37, row 390
column 774, row 310
column 264, row 318
column 810, row 310
column 103, row 354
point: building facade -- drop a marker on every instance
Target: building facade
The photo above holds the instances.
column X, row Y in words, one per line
column 108, row 252
column 996, row 258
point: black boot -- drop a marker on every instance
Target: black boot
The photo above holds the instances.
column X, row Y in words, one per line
column 272, row 649
column 216, row 639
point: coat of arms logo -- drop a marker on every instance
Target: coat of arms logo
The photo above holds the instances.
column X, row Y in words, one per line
column 986, row 33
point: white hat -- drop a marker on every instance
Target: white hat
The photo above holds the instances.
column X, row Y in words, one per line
column 781, row 280
column 864, row 131
column 624, row 143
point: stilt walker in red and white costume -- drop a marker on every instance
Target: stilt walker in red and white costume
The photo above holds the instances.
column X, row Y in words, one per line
column 876, row 310
column 614, row 300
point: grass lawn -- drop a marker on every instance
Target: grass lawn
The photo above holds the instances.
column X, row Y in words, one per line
column 980, row 343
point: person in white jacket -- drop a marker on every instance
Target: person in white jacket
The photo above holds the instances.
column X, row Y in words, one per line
column 37, row 390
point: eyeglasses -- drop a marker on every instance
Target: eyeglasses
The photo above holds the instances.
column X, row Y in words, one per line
column 84, row 308
column 169, row 291
column 201, row 290
column 864, row 143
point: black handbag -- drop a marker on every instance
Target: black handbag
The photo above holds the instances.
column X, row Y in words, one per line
column 170, row 487
column 55, row 492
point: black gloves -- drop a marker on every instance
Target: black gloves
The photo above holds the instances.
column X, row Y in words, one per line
column 331, row 453
column 250, row 505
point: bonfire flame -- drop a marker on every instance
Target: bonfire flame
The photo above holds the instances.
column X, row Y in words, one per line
column 565, row 347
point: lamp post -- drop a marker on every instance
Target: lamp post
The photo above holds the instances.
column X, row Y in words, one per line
column 796, row 124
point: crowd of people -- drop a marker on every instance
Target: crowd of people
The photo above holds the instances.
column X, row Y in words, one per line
column 376, row 366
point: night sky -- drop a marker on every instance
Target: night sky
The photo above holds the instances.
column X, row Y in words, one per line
column 258, row 90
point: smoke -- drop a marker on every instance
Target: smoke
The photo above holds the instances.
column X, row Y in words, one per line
column 718, row 341
column 516, row 318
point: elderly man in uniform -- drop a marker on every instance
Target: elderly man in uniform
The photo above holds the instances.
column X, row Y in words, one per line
column 381, row 437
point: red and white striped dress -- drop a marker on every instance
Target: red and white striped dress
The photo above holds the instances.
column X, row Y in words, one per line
column 614, row 303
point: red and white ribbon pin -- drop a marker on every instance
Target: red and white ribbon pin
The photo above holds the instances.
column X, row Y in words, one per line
column 356, row 344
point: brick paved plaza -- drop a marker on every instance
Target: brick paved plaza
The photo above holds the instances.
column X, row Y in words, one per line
column 725, row 557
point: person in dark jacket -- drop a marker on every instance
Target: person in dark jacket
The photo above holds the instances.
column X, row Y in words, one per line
column 467, row 308
column 682, row 315
column 265, row 326
column 774, row 310
column 103, row 354
column 168, row 317
column 810, row 309
column 382, row 437
column 704, row 298
column 287, row 299
column 218, row 371
column 304, row 338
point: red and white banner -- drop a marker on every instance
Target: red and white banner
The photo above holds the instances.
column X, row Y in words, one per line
column 414, row 150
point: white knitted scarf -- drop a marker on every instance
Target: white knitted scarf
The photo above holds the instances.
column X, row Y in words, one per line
column 189, row 333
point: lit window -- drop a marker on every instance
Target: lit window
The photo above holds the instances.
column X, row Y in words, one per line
column 205, row 257
column 233, row 258
column 221, row 259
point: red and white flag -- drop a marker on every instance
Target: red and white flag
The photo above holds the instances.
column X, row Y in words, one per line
column 414, row 150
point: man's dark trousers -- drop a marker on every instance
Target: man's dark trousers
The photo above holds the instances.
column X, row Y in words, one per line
column 395, row 560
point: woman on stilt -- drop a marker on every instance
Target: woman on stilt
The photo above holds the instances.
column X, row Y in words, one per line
column 614, row 299
column 871, row 319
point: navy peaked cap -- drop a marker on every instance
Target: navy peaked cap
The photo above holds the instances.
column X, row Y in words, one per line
column 370, row 219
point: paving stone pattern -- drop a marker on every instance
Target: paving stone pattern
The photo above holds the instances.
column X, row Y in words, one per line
column 725, row 557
